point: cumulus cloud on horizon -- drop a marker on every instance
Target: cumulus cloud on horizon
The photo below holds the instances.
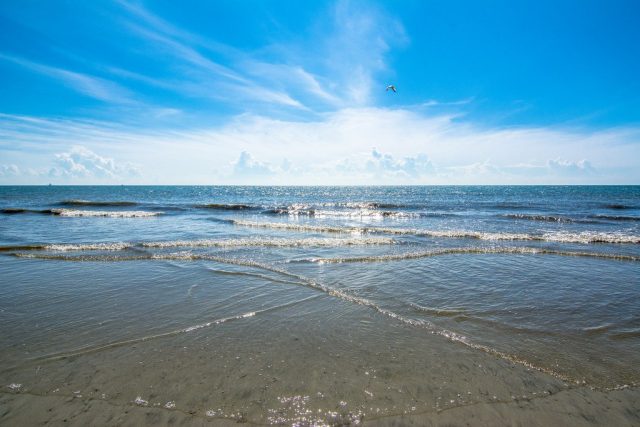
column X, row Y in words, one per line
column 9, row 170
column 350, row 146
column 247, row 166
column 80, row 162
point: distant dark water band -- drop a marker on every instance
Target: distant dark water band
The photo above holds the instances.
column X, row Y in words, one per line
column 352, row 209
column 350, row 205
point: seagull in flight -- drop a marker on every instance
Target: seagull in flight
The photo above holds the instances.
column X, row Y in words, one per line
column 392, row 87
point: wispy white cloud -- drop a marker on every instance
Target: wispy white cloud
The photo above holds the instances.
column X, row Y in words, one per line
column 336, row 63
column 295, row 78
column 356, row 49
column 435, row 103
column 91, row 86
column 203, row 76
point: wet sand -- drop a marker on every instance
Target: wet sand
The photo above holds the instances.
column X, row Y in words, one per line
column 575, row 407
column 278, row 369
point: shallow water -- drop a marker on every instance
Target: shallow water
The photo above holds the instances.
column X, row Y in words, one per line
column 318, row 304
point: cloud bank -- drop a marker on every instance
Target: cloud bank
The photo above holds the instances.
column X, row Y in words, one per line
column 351, row 146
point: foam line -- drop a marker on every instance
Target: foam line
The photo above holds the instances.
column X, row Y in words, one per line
column 583, row 237
column 472, row 251
column 224, row 243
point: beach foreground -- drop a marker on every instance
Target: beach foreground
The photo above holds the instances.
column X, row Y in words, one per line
column 288, row 376
column 577, row 407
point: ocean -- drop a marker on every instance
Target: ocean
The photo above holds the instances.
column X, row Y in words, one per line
column 317, row 305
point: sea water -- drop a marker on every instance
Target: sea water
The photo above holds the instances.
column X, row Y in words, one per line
column 318, row 304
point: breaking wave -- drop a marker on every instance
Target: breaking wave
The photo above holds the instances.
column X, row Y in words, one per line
column 184, row 255
column 86, row 247
column 583, row 237
column 352, row 210
column 360, row 213
column 546, row 218
column 79, row 212
column 271, row 242
column 275, row 242
column 365, row 205
column 108, row 214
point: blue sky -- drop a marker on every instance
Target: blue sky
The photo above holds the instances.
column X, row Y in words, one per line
column 277, row 92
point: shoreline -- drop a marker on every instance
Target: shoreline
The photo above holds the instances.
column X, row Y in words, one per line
column 579, row 406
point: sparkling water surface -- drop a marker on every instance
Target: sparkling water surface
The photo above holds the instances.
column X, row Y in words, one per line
column 268, row 304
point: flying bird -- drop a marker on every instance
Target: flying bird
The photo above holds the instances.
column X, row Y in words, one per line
column 392, row 87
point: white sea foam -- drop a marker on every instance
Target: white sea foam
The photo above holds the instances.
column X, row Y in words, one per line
column 262, row 242
column 582, row 237
column 276, row 242
column 591, row 237
column 190, row 256
column 298, row 227
column 117, row 246
column 219, row 321
column 109, row 214
column 471, row 251
column 363, row 212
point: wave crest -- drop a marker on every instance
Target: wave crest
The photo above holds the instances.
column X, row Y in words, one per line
column 546, row 218
column 108, row 214
column 274, row 242
column 470, row 251
column 270, row 242
column 583, row 237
